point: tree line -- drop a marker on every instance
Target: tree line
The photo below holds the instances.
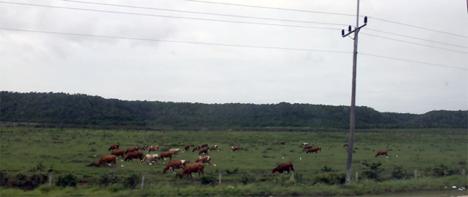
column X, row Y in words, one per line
column 60, row 109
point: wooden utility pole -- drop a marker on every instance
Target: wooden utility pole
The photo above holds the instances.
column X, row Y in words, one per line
column 352, row 115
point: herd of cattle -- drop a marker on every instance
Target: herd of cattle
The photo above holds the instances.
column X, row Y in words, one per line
column 187, row 167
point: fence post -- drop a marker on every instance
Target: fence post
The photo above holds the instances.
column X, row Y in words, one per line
column 357, row 176
column 142, row 182
column 220, row 178
column 49, row 178
column 463, row 172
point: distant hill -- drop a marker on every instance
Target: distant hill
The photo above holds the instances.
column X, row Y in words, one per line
column 59, row 109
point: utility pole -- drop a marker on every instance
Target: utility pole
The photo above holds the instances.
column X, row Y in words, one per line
column 352, row 117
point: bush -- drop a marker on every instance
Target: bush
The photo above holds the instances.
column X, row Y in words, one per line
column 3, row 178
column 330, row 178
column 399, row 173
column 68, row 180
column 442, row 170
column 131, row 181
column 208, row 180
column 372, row 170
column 247, row 178
column 105, row 180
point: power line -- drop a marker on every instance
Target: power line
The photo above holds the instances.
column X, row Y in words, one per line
column 273, row 8
column 176, row 41
column 205, row 13
column 419, row 27
column 415, row 43
column 227, row 45
column 333, row 13
column 168, row 16
column 414, row 61
column 416, row 38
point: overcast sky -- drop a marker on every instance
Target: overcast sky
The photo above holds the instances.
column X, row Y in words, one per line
column 142, row 70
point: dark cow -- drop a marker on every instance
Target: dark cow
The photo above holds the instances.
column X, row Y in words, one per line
column 203, row 150
column 105, row 159
column 118, row 152
column 284, row 167
column 114, row 146
column 193, row 168
column 313, row 150
column 174, row 164
column 134, row 155
column 132, row 149
column 235, row 148
column 187, row 147
column 167, row 154
column 383, row 152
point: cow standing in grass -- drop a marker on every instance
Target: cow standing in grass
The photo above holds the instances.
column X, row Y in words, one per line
column 134, row 155
column 193, row 168
column 284, row 167
column 383, row 152
column 105, row 159
column 118, row 152
column 313, row 150
column 174, row 164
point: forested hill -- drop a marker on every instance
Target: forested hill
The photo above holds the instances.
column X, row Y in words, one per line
column 59, row 109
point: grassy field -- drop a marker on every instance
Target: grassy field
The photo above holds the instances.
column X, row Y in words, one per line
column 438, row 155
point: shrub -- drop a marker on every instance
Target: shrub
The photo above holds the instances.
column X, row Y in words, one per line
column 442, row 170
column 326, row 169
column 3, row 178
column 399, row 173
column 68, row 180
column 208, row 180
column 247, row 178
column 372, row 170
column 106, row 179
column 330, row 178
column 131, row 181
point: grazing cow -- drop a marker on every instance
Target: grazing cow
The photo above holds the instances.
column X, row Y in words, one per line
column 151, row 148
column 151, row 158
column 105, row 159
column 203, row 150
column 306, row 147
column 134, row 155
column 193, row 168
column 313, row 150
column 175, row 164
column 132, row 149
column 283, row 167
column 214, row 147
column 235, row 148
column 114, row 146
column 383, row 152
column 118, row 152
column 187, row 147
column 167, row 154
column 203, row 159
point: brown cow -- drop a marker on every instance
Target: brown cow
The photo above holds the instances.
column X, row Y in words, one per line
column 167, row 154
column 283, row 167
column 105, row 159
column 118, row 152
column 134, row 155
column 235, row 148
column 132, row 149
column 151, row 148
column 203, row 150
column 114, row 146
column 313, row 150
column 203, row 159
column 383, row 152
column 193, row 168
column 151, row 158
column 175, row 164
